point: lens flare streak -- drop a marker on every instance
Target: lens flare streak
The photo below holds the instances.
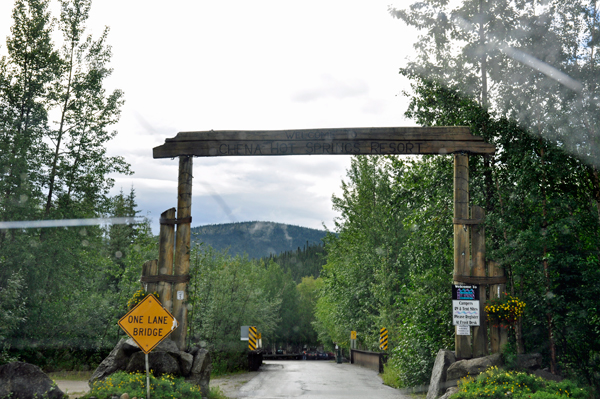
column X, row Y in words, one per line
column 36, row 224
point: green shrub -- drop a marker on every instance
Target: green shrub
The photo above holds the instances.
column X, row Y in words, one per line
column 216, row 393
column 228, row 362
column 496, row 383
column 134, row 384
column 390, row 377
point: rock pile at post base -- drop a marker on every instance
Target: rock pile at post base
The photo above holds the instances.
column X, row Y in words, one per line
column 447, row 371
column 166, row 358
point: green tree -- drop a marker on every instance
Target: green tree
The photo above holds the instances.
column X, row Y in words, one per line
column 56, row 169
column 423, row 326
column 363, row 276
column 226, row 293
column 308, row 292
column 541, row 225
column 25, row 76
column 277, row 283
column 77, row 163
column 534, row 64
column 121, row 236
column 303, row 262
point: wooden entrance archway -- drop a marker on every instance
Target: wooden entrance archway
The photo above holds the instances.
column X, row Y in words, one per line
column 341, row 141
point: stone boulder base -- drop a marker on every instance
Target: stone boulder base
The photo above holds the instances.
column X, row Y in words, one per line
column 25, row 381
column 443, row 360
column 449, row 392
column 531, row 361
column 472, row 367
column 117, row 359
column 547, row 375
column 185, row 363
column 159, row 362
column 166, row 358
column 446, row 372
column 200, row 371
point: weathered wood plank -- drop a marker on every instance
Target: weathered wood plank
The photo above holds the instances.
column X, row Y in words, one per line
column 498, row 335
column 182, row 249
column 437, row 133
column 478, row 270
column 339, row 147
column 346, row 141
column 150, row 268
column 462, row 343
column 165, row 259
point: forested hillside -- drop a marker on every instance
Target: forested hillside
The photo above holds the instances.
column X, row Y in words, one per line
column 303, row 262
column 256, row 239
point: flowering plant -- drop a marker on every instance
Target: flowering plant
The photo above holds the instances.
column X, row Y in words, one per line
column 138, row 297
column 504, row 311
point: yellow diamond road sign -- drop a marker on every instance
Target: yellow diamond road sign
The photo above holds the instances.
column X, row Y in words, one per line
column 148, row 323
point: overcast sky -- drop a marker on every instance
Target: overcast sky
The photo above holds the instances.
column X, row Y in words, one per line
column 247, row 65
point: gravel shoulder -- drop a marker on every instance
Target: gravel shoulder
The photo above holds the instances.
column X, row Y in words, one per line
column 74, row 389
column 230, row 384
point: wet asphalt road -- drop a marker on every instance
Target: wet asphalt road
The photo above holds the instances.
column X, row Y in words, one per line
column 315, row 379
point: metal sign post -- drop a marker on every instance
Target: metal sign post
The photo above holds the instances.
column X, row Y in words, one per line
column 148, row 323
column 147, row 377
column 352, row 339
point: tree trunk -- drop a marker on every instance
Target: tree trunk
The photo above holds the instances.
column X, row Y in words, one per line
column 549, row 315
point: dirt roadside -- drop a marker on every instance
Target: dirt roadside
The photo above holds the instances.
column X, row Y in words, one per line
column 231, row 384
column 74, row 389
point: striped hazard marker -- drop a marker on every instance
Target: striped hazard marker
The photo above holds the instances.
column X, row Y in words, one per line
column 252, row 338
column 383, row 338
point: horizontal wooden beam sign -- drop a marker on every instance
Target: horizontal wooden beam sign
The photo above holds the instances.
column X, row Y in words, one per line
column 348, row 141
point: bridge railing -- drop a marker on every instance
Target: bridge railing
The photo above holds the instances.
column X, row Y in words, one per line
column 371, row 360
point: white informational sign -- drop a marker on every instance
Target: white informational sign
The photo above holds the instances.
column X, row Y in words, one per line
column 244, row 333
column 463, row 330
column 465, row 305
column 465, row 313
column 180, row 295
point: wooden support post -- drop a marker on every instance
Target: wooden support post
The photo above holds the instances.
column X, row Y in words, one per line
column 478, row 270
column 498, row 335
column 461, row 239
column 165, row 258
column 182, row 248
column 150, row 268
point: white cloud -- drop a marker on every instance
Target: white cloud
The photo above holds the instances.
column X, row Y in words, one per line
column 329, row 86
column 202, row 65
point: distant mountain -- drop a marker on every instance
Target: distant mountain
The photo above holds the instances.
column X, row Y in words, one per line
column 257, row 239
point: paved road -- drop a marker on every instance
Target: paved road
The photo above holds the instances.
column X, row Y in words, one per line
column 315, row 379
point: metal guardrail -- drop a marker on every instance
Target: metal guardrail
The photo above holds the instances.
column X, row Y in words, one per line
column 290, row 356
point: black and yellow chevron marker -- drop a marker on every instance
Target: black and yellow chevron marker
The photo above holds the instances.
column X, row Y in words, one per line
column 383, row 338
column 252, row 337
